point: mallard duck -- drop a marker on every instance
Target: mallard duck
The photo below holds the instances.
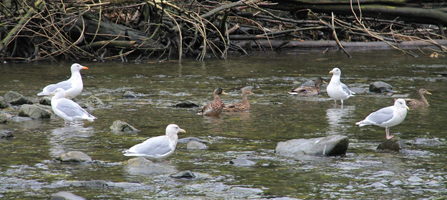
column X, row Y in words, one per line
column 309, row 90
column 73, row 86
column 159, row 147
column 336, row 89
column 419, row 103
column 243, row 106
column 214, row 108
column 387, row 117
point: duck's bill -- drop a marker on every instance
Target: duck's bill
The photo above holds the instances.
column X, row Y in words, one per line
column 224, row 93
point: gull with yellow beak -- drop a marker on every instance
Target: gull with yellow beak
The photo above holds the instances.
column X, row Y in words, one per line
column 387, row 117
column 73, row 86
column 336, row 89
column 159, row 147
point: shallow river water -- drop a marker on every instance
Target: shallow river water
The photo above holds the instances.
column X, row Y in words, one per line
column 28, row 168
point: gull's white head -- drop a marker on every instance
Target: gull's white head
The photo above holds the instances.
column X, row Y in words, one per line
column 58, row 93
column 400, row 103
column 335, row 71
column 77, row 67
column 174, row 129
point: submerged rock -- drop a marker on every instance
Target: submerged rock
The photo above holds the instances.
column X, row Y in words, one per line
column 186, row 104
column 129, row 94
column 195, row 145
column 66, row 196
column 121, row 126
column 45, row 101
column 15, row 98
column 35, row 111
column 189, row 139
column 184, row 174
column 428, row 141
column 242, row 162
column 75, row 157
column 380, row 87
column 245, row 191
column 93, row 101
column 393, row 144
column 142, row 166
column 3, row 103
column 333, row 145
column 6, row 134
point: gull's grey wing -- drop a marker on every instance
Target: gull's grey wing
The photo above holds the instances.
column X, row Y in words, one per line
column 381, row 116
column 70, row 108
column 346, row 89
column 153, row 146
column 64, row 85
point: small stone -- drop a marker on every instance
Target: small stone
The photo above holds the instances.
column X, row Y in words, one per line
column 184, row 174
column 5, row 117
column 6, row 134
column 245, row 191
column 35, row 111
column 121, row 126
column 129, row 94
column 381, row 87
column 3, row 103
column 393, row 144
column 139, row 162
column 66, row 196
column 45, row 101
column 186, row 104
column 15, row 98
column 75, row 157
column 242, row 162
column 93, row 101
column 194, row 145
column 189, row 139
column 415, row 179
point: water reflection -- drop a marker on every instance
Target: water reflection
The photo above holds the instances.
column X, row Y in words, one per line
column 67, row 138
column 337, row 119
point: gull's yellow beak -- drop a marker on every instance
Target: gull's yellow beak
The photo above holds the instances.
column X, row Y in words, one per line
column 330, row 72
column 84, row 67
column 407, row 108
column 182, row 130
column 224, row 93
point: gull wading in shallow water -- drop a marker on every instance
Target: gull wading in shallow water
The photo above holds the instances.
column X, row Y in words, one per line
column 73, row 86
column 214, row 108
column 336, row 89
column 68, row 109
column 159, row 147
column 387, row 117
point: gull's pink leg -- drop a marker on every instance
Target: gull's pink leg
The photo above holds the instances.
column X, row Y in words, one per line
column 388, row 136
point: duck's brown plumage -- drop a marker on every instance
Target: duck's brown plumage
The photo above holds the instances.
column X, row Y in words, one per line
column 419, row 103
column 214, row 108
column 243, row 106
column 309, row 90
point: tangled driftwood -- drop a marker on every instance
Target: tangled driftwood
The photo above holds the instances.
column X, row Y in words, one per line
column 114, row 29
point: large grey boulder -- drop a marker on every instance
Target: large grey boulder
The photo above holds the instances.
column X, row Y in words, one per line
column 380, row 87
column 333, row 145
column 35, row 111
column 75, row 157
column 121, row 126
column 66, row 196
column 15, row 98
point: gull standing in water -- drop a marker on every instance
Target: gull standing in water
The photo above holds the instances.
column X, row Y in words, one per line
column 159, row 147
column 68, row 109
column 387, row 117
column 336, row 89
column 73, row 86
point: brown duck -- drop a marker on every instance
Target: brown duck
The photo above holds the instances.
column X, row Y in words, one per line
column 243, row 106
column 419, row 103
column 309, row 90
column 214, row 108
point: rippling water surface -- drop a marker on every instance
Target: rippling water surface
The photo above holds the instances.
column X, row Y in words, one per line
column 28, row 169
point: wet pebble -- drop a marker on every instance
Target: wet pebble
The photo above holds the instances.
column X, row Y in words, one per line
column 66, row 196
column 93, row 101
column 5, row 117
column 428, row 141
column 129, row 94
column 195, row 145
column 245, row 191
column 75, row 157
column 242, row 162
column 6, row 134
column 121, row 126
column 186, row 104
column 45, row 101
column 415, row 179
column 380, row 87
column 184, row 174
column 3, row 103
